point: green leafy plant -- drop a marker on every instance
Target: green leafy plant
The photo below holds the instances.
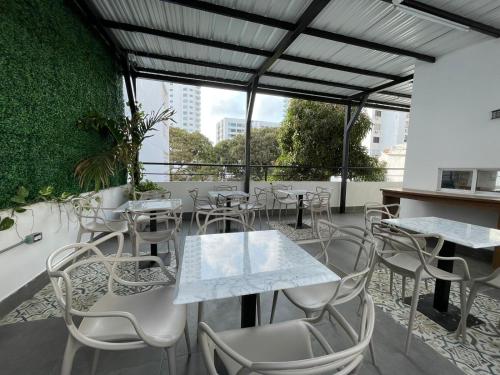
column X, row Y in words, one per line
column 147, row 185
column 127, row 135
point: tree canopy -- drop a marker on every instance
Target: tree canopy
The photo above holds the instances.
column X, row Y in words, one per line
column 312, row 134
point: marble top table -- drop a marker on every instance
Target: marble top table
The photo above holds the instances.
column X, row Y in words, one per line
column 299, row 193
column 469, row 235
column 453, row 232
column 215, row 266
column 149, row 205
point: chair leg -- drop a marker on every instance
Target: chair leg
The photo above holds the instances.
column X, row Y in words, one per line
column 403, row 288
column 94, row 361
column 79, row 236
column 413, row 311
column 188, row 339
column 171, row 360
column 192, row 219
column 462, row 326
column 260, row 219
column 273, row 308
column 463, row 307
column 259, row 311
column 391, row 281
column 72, row 347
column 372, row 353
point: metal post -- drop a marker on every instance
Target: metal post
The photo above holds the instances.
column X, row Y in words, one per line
column 345, row 158
column 251, row 92
column 350, row 119
column 128, row 86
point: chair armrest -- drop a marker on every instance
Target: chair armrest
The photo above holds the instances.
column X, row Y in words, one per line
column 128, row 259
column 461, row 260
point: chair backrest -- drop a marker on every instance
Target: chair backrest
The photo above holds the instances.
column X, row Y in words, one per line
column 88, row 209
column 222, row 215
column 340, row 362
column 320, row 189
column 234, row 198
column 168, row 223
column 225, row 187
column 374, row 211
column 334, row 239
column 395, row 240
column 261, row 194
column 321, row 198
column 193, row 194
column 153, row 194
column 64, row 260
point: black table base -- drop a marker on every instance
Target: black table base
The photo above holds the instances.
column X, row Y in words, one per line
column 302, row 226
column 448, row 320
column 248, row 310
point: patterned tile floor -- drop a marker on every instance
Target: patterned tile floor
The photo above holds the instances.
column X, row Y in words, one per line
column 481, row 355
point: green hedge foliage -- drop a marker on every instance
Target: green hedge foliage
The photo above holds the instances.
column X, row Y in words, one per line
column 53, row 71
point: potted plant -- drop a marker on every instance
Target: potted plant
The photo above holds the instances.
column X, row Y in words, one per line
column 127, row 135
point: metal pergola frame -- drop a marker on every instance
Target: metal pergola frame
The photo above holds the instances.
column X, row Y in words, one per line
column 253, row 85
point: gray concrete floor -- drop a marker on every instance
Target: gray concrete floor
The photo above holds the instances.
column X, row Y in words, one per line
column 37, row 347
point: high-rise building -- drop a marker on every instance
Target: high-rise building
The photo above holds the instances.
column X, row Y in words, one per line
column 227, row 128
column 389, row 128
column 186, row 102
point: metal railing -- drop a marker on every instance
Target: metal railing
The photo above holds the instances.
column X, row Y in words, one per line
column 235, row 172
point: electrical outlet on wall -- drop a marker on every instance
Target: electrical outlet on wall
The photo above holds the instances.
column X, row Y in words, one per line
column 495, row 114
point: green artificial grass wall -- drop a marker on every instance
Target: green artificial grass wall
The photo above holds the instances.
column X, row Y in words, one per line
column 53, row 71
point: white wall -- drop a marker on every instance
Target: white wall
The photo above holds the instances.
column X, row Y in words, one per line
column 25, row 262
column 358, row 193
column 452, row 102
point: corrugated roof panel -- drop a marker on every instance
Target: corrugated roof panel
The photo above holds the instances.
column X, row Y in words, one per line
column 340, row 53
column 381, row 22
column 405, row 87
column 289, row 10
column 175, row 67
column 187, row 21
column 390, row 99
column 154, row 44
column 305, row 86
column 308, row 71
column 485, row 11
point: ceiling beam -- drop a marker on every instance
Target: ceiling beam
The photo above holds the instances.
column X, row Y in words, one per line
column 263, row 89
column 242, row 49
column 273, row 22
column 429, row 9
column 183, row 60
column 199, row 77
column 384, row 86
column 304, row 20
column 253, row 71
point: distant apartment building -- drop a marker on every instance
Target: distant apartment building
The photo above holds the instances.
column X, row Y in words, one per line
column 389, row 128
column 228, row 128
column 186, row 102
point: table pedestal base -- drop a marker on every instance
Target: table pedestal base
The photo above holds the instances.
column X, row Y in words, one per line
column 303, row 226
column 165, row 257
column 448, row 320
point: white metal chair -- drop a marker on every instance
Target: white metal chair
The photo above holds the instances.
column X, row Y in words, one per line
column 92, row 218
column 286, row 200
column 334, row 238
column 168, row 226
column 318, row 203
column 490, row 281
column 374, row 211
column 286, row 348
column 257, row 204
column 407, row 257
column 116, row 322
column 272, row 189
column 199, row 205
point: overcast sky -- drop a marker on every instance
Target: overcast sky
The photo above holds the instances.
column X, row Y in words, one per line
column 216, row 104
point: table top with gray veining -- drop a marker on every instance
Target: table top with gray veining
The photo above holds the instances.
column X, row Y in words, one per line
column 470, row 235
column 223, row 265
column 149, row 205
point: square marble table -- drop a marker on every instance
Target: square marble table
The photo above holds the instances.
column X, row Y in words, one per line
column 299, row 193
column 453, row 232
column 215, row 266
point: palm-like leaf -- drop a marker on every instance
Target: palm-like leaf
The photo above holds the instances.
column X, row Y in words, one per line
column 97, row 169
